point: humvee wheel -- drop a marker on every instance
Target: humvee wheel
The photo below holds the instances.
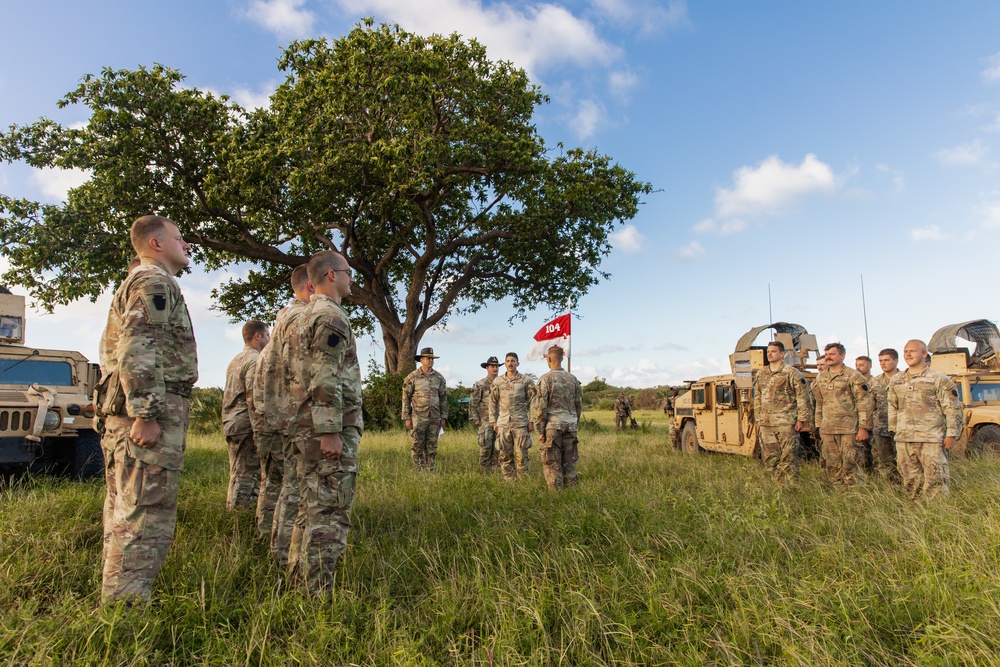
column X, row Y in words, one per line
column 689, row 439
column 86, row 458
column 986, row 441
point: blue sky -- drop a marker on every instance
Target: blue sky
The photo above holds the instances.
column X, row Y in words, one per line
column 791, row 144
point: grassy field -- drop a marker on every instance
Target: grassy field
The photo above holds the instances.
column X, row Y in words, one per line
column 657, row 558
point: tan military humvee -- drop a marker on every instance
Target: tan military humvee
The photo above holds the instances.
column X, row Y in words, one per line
column 46, row 408
column 977, row 375
column 717, row 413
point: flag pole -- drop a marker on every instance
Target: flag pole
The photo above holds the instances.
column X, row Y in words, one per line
column 569, row 343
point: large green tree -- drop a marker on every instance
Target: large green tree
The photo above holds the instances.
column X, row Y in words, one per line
column 416, row 157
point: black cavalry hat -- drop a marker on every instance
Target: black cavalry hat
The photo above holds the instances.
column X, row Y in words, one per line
column 492, row 361
column 426, row 352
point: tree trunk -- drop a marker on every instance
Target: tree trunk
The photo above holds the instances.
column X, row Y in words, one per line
column 399, row 353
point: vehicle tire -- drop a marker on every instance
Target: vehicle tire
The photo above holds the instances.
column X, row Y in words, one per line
column 49, row 462
column 689, row 439
column 84, row 456
column 986, row 441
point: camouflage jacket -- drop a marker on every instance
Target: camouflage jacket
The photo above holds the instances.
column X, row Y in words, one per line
column 273, row 400
column 510, row 400
column 149, row 340
column 781, row 398
column 924, row 407
column 843, row 402
column 479, row 401
column 560, row 401
column 623, row 408
column 880, row 390
column 239, row 393
column 425, row 396
column 327, row 375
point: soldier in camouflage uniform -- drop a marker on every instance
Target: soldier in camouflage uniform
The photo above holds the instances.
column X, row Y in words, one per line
column 425, row 409
column 510, row 399
column 623, row 410
column 327, row 426
column 843, row 416
column 270, row 415
column 926, row 417
column 882, row 443
column 244, row 460
column 149, row 365
column 557, row 416
column 781, row 408
column 863, row 365
column 479, row 413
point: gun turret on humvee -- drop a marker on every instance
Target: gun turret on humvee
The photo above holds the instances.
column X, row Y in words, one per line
column 46, row 408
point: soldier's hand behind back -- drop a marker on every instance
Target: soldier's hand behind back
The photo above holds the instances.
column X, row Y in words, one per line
column 145, row 432
column 331, row 445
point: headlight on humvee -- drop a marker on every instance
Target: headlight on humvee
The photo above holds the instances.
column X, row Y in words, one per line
column 52, row 420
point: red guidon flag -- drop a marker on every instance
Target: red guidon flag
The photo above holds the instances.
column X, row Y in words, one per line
column 555, row 332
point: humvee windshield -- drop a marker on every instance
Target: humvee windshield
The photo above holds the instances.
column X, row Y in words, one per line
column 983, row 393
column 29, row 371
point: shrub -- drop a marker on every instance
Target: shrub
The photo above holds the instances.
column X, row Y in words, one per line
column 205, row 414
column 383, row 395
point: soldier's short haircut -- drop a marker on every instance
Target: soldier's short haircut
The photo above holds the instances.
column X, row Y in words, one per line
column 252, row 328
column 322, row 262
column 863, row 357
column 145, row 228
column 778, row 344
column 889, row 352
column 300, row 276
column 557, row 351
column 511, row 354
column 840, row 348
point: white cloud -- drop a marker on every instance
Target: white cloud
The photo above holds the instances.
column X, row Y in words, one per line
column 588, row 116
column 992, row 217
column 965, row 154
column 648, row 15
column 898, row 178
column 994, row 126
column 724, row 227
column 692, row 251
column 928, row 233
column 647, row 373
column 55, row 184
column 234, row 334
column 622, row 82
column 285, row 18
column 249, row 98
column 628, row 239
column 772, row 186
column 992, row 72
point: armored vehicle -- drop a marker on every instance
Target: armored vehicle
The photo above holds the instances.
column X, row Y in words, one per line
column 717, row 413
column 977, row 374
column 46, row 409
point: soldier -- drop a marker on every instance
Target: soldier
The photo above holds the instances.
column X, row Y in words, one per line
column 425, row 409
column 149, row 357
column 781, row 409
column 279, row 494
column 327, row 426
column 926, row 417
column 510, row 399
column 882, row 444
column 863, row 365
column 623, row 410
column 244, row 460
column 843, row 416
column 557, row 416
column 820, row 364
column 479, row 413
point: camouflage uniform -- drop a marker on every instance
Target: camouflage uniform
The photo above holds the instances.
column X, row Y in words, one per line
column 843, row 406
column 557, row 415
column 149, row 344
column 780, row 399
column 425, row 401
column 329, row 402
column 623, row 410
column 244, row 461
column 479, row 408
column 923, row 411
column 882, row 444
column 510, row 400
column 268, row 441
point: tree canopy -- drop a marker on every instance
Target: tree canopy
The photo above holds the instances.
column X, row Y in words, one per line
column 416, row 157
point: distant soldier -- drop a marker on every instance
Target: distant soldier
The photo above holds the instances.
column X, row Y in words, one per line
column 882, row 443
column 820, row 364
column 623, row 410
column 425, row 409
column 150, row 364
column 327, row 427
column 510, row 400
column 863, row 365
column 479, row 413
column 781, row 409
column 244, row 460
column 926, row 417
column 843, row 416
column 557, row 416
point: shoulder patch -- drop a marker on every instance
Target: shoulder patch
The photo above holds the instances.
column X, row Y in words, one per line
column 332, row 340
column 864, row 386
column 954, row 393
column 802, row 380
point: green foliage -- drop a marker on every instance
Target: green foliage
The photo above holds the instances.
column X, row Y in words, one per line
column 383, row 398
column 458, row 413
column 205, row 413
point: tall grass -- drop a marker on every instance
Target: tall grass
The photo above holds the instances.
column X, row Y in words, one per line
column 656, row 558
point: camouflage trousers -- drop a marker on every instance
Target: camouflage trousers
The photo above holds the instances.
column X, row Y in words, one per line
column 286, row 508
column 326, row 490
column 884, row 457
column 513, row 441
column 779, row 450
column 487, row 448
column 559, row 454
column 923, row 467
column 244, row 471
column 140, row 508
column 621, row 422
column 424, row 442
column 843, row 457
column 272, row 465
